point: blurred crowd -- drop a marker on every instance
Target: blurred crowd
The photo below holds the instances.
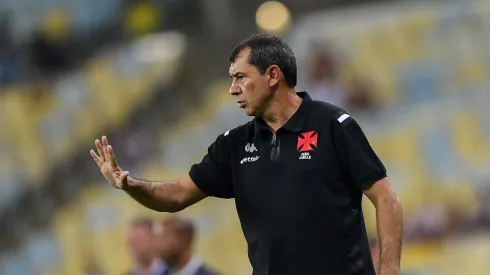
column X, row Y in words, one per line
column 414, row 75
column 162, row 247
column 327, row 84
column 60, row 39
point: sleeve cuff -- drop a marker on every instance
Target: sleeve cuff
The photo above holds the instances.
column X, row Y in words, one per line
column 195, row 178
column 366, row 184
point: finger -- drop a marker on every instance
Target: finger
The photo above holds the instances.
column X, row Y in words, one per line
column 98, row 145
column 97, row 159
column 105, row 143
column 111, row 157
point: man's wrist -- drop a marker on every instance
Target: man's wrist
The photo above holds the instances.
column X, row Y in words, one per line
column 388, row 270
column 132, row 183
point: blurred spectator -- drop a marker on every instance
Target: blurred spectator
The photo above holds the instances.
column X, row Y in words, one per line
column 174, row 241
column 360, row 96
column 324, row 79
column 327, row 84
column 139, row 240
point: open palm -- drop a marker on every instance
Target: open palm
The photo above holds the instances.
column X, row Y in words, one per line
column 107, row 163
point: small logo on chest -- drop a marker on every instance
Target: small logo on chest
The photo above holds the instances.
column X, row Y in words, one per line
column 249, row 159
column 250, row 148
column 305, row 155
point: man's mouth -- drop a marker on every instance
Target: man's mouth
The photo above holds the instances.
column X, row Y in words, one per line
column 240, row 103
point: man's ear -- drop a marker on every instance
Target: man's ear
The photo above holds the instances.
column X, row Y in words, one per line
column 273, row 75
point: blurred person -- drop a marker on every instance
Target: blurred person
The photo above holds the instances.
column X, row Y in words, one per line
column 360, row 96
column 139, row 241
column 327, row 84
column 297, row 172
column 324, row 80
column 174, row 239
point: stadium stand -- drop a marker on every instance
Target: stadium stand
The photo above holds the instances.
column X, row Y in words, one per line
column 99, row 97
column 432, row 131
column 93, row 98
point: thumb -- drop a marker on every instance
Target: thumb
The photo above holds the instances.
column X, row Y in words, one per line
column 124, row 175
column 123, row 180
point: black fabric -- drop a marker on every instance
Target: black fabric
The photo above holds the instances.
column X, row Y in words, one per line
column 213, row 174
column 300, row 212
column 203, row 270
column 362, row 167
column 206, row 270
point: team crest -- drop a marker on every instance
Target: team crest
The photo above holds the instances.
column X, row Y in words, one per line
column 307, row 141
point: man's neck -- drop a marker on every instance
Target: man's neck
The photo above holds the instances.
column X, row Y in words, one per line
column 281, row 108
column 183, row 261
column 145, row 266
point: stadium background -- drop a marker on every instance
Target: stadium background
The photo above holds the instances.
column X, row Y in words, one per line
column 152, row 75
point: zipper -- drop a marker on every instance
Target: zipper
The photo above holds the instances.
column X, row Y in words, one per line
column 275, row 148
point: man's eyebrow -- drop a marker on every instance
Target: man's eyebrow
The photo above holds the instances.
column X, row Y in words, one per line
column 236, row 74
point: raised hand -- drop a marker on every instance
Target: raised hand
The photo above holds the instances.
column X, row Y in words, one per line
column 107, row 163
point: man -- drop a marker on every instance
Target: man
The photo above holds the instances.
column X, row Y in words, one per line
column 297, row 172
column 173, row 244
column 139, row 240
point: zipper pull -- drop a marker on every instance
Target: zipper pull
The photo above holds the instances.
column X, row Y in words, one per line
column 274, row 140
column 276, row 149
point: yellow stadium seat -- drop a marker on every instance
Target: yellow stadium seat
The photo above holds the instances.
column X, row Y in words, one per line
column 137, row 89
column 88, row 124
column 403, row 147
column 461, row 195
column 68, row 228
column 419, row 190
column 400, row 51
column 55, row 24
column 142, row 18
column 385, row 48
column 21, row 121
column 472, row 72
column 473, row 249
column 385, row 85
column 419, row 255
column 413, row 30
column 226, row 250
column 372, row 60
column 110, row 250
column 467, row 137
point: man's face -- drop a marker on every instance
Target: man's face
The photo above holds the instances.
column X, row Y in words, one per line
column 249, row 86
column 139, row 243
column 169, row 244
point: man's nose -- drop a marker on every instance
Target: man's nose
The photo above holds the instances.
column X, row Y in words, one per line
column 234, row 90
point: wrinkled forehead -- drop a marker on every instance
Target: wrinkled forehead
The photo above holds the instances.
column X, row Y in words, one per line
column 241, row 62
